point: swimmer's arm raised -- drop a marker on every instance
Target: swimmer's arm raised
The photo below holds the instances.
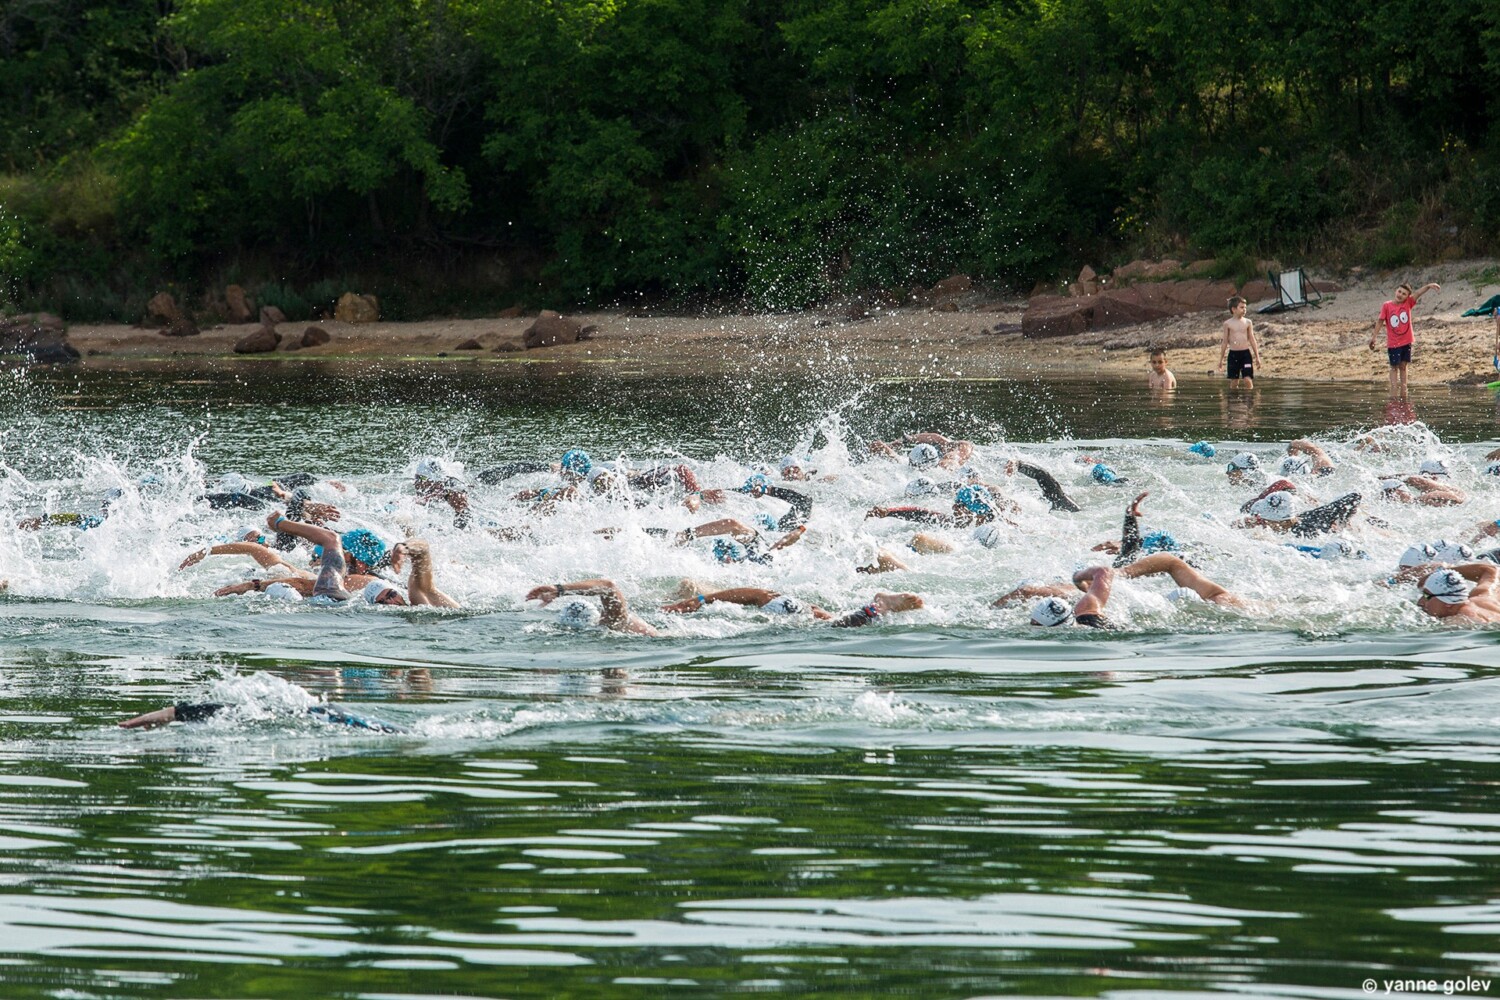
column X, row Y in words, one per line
column 614, row 609
column 325, row 537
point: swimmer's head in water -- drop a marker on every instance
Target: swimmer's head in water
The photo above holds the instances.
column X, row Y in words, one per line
column 1337, row 549
column 380, row 592
column 727, row 551
column 1183, row 595
column 1160, row 541
column 924, row 456
column 1447, row 585
column 233, row 482
column 921, row 487
column 434, row 468
column 364, row 545
column 1419, row 555
column 1434, row 467
column 757, row 484
column 989, row 535
column 1050, row 612
column 604, row 480
column 578, row 614
column 1276, row 507
column 784, row 605
column 765, row 521
column 1388, row 485
column 1242, row 465
column 1493, row 469
column 1295, row 465
column 576, row 463
column 248, row 533
column 1452, row 552
column 1103, row 473
column 792, row 466
column 1202, row 448
column 282, row 592
column 975, row 500
column 968, row 474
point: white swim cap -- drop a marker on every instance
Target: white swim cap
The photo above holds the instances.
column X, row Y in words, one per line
column 233, row 482
column 375, row 588
column 1448, row 586
column 1390, row 484
column 1418, row 555
column 578, row 614
column 1336, row 549
column 784, row 605
column 1434, row 467
column 790, row 462
column 968, row 474
column 1276, row 507
column 924, row 455
column 432, row 467
column 921, row 487
column 1452, row 552
column 1050, row 611
column 1295, row 465
column 1183, row 595
column 988, row 535
column 282, row 592
column 1243, row 462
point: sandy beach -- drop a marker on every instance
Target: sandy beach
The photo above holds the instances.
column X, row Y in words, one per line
column 981, row 339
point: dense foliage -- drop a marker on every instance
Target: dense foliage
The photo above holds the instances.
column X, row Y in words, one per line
column 453, row 153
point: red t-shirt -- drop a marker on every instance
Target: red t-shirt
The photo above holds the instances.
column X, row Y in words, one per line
column 1396, row 318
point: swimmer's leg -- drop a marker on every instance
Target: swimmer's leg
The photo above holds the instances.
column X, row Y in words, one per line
column 885, row 562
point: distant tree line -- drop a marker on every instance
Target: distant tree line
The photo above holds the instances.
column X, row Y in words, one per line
column 454, row 153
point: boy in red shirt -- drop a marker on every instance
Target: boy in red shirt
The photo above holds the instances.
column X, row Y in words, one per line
column 1395, row 320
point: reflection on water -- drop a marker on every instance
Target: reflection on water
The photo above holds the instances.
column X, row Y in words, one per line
column 1281, row 805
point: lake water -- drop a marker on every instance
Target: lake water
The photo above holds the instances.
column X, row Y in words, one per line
column 1287, row 802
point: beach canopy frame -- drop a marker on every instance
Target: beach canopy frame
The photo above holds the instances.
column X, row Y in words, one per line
column 1292, row 288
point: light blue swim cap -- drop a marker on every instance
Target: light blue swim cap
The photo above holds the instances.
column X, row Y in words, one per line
column 1202, row 448
column 727, row 551
column 364, row 545
column 577, row 461
column 1103, row 473
column 757, row 481
column 975, row 499
column 1160, row 541
column 765, row 521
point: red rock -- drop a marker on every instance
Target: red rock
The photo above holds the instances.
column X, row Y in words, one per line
column 551, row 329
column 1054, row 316
column 262, row 341
column 162, row 310
column 1257, row 290
column 354, row 308
column 315, row 336
column 508, row 347
column 470, row 345
column 239, row 304
column 955, row 284
column 270, row 316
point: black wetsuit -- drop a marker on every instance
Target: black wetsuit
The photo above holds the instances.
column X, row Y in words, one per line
column 510, row 470
column 1130, row 540
column 1330, row 517
column 186, row 712
column 855, row 619
column 801, row 507
column 1051, row 491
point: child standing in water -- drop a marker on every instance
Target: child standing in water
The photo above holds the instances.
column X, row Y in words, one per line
column 1239, row 343
column 1160, row 377
column 1395, row 320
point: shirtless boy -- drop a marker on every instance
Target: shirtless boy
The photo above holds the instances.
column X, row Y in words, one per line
column 1160, row 377
column 1240, row 346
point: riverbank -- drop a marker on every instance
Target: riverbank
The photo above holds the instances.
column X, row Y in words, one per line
column 982, row 338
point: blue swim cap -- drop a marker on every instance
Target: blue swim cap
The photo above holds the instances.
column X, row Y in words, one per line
column 317, row 552
column 576, row 461
column 765, row 521
column 364, row 545
column 727, row 551
column 975, row 499
column 1160, row 541
column 758, row 481
column 1103, row 474
column 1202, row 448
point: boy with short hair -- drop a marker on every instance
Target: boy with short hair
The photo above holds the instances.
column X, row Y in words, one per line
column 1395, row 320
column 1160, row 377
column 1239, row 344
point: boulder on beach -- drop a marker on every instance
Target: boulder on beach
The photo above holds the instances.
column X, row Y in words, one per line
column 354, row 308
column 315, row 336
column 1062, row 316
column 472, row 344
column 270, row 316
column 162, row 310
column 239, row 305
column 262, row 341
column 182, row 326
column 41, row 338
column 508, row 347
column 512, row 312
column 551, row 329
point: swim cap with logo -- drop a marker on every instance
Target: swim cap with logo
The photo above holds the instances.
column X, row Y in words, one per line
column 1103, row 474
column 727, row 551
column 1243, row 462
column 791, row 462
column 1390, row 484
column 282, row 592
column 375, row 588
column 1295, row 465
column 784, row 605
column 968, row 474
column 758, row 481
column 921, row 487
column 577, row 462
column 1051, row 611
column 1336, row 549
column 1160, row 541
column 1202, row 448
column 431, row 467
column 975, row 499
column 1447, row 585
column 989, row 535
column 923, row 455
column 1452, row 552
column 1434, row 467
column 1276, row 507
column 578, row 614
column 364, row 545
column 1418, row 555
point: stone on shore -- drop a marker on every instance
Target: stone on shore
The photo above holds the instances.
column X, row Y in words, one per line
column 262, row 341
column 315, row 336
column 270, row 316
column 239, row 305
column 182, row 326
column 354, row 308
column 162, row 310
column 472, row 344
column 40, row 337
column 551, row 329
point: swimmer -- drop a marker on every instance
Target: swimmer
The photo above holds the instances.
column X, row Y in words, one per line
column 322, row 712
column 1322, row 465
column 758, row 486
column 252, row 544
column 795, row 470
column 972, row 505
column 438, row 479
column 1447, row 593
column 1053, row 610
column 615, row 613
column 421, row 584
column 1132, row 544
column 1420, row 560
column 750, row 597
column 926, row 450
column 879, row 606
column 1429, row 492
column 72, row 519
column 510, row 470
column 1166, row 564
column 1277, row 512
column 924, row 544
column 333, row 566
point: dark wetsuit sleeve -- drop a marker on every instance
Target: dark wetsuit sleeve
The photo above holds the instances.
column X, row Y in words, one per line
column 854, row 619
column 801, row 507
column 1329, row 517
column 194, row 713
column 228, row 501
column 1051, row 491
column 1130, row 540
column 921, row 515
column 510, row 470
column 295, row 480
column 263, row 493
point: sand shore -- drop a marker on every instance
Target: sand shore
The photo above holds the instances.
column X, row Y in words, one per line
column 980, row 340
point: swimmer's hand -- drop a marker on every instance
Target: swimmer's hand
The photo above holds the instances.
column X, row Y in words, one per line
column 30, row 524
column 790, row 538
column 193, row 559
column 160, row 717
column 547, row 593
column 692, row 502
column 1135, row 505
column 320, row 513
column 1112, row 547
column 877, row 512
column 712, row 496
column 682, row 607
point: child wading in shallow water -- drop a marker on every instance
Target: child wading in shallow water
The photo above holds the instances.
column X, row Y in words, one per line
column 1160, row 377
column 1395, row 320
column 1239, row 343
